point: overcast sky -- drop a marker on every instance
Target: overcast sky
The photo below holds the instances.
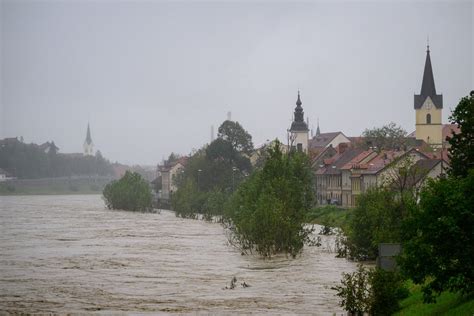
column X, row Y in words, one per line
column 152, row 77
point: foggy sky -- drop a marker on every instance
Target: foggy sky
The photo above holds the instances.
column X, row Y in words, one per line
column 152, row 77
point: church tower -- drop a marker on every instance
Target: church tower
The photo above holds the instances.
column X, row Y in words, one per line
column 428, row 108
column 88, row 144
column 298, row 132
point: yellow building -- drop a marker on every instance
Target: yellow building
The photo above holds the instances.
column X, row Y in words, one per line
column 428, row 108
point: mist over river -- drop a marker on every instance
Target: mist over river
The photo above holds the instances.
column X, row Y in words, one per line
column 63, row 254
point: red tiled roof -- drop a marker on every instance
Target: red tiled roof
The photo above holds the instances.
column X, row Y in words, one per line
column 449, row 130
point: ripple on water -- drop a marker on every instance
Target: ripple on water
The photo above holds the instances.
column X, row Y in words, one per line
column 69, row 254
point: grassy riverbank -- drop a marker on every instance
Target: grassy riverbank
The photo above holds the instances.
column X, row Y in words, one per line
column 446, row 304
column 328, row 216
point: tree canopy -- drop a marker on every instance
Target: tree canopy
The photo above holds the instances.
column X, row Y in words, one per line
column 462, row 144
column 130, row 193
column 390, row 136
column 233, row 132
column 268, row 211
column 209, row 178
column 438, row 249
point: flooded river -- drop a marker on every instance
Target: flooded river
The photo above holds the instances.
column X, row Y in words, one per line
column 69, row 254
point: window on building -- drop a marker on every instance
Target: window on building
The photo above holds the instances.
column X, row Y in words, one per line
column 299, row 147
column 428, row 118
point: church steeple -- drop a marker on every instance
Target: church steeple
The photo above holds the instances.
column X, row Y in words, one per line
column 428, row 108
column 88, row 144
column 428, row 85
column 428, row 88
column 318, row 131
column 88, row 136
column 298, row 123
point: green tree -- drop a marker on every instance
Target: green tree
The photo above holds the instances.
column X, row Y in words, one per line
column 233, row 132
column 389, row 136
column 130, row 193
column 462, row 144
column 376, row 219
column 268, row 211
column 438, row 251
column 372, row 291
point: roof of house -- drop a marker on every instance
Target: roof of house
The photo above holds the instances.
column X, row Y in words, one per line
column 323, row 139
column 334, row 164
column 449, row 130
column 168, row 166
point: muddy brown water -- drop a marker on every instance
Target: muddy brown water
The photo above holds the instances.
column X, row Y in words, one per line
column 68, row 254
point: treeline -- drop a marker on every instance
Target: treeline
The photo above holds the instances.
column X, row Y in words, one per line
column 31, row 161
column 213, row 173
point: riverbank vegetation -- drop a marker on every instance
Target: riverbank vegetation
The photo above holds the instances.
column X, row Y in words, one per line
column 433, row 224
column 447, row 303
column 32, row 161
column 130, row 193
column 329, row 216
column 213, row 173
column 267, row 213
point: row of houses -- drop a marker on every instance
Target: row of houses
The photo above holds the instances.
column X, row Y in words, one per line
column 344, row 172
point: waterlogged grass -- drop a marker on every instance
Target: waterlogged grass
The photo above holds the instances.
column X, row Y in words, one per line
column 328, row 216
column 446, row 304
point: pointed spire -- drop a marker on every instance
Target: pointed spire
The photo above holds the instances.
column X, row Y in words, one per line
column 298, row 102
column 428, row 84
column 88, row 136
column 318, row 132
column 298, row 122
column 428, row 88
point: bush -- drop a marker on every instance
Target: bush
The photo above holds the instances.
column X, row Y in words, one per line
column 131, row 193
column 387, row 289
column 377, row 218
column 268, row 211
column 373, row 291
column 438, row 248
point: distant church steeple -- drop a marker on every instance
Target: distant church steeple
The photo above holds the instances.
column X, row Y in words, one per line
column 88, row 144
column 299, row 129
column 318, row 132
column 428, row 108
column 428, row 88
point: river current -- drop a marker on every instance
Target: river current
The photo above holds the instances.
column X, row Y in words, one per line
column 69, row 254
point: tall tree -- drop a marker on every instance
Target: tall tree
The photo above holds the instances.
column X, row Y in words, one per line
column 462, row 144
column 389, row 136
column 233, row 132
column 268, row 212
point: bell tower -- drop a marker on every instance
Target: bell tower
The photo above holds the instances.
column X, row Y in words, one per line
column 298, row 131
column 428, row 108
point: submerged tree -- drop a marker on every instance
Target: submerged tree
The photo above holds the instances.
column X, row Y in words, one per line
column 130, row 193
column 268, row 211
